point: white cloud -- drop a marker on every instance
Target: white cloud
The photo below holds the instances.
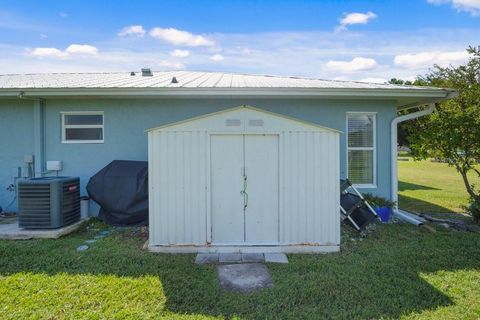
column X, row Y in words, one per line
column 275, row 53
column 180, row 53
column 43, row 36
column 373, row 80
column 354, row 65
column 73, row 49
column 172, row 65
column 355, row 18
column 428, row 58
column 63, row 14
column 217, row 57
column 471, row 6
column 48, row 52
column 180, row 38
column 136, row 30
column 81, row 49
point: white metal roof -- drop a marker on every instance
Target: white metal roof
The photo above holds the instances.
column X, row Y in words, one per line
column 186, row 79
column 190, row 84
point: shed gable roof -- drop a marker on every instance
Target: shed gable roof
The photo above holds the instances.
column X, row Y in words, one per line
column 243, row 119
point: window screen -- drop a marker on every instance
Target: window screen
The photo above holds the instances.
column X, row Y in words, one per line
column 361, row 148
column 82, row 127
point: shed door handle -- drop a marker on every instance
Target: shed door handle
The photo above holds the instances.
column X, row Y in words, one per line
column 244, row 192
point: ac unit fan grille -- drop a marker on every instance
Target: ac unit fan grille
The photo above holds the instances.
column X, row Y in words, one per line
column 36, row 205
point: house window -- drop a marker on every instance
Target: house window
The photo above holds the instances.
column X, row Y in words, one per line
column 361, row 149
column 82, row 127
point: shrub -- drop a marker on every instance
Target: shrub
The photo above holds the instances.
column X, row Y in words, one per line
column 474, row 210
column 377, row 201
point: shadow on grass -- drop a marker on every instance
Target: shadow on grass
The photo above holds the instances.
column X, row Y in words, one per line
column 416, row 205
column 375, row 278
column 403, row 186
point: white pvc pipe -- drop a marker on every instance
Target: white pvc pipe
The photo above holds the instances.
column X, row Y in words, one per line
column 394, row 151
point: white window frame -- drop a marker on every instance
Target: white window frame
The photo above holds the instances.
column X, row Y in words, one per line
column 82, row 126
column 373, row 148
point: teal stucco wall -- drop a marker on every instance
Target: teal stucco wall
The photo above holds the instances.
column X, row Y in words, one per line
column 16, row 140
column 127, row 119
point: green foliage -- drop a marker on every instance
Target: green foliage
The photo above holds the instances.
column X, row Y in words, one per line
column 377, row 201
column 474, row 211
column 452, row 132
column 405, row 128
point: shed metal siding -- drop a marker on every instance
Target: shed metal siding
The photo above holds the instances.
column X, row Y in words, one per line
column 309, row 188
column 177, row 187
column 179, row 181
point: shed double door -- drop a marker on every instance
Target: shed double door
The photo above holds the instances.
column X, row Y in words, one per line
column 244, row 188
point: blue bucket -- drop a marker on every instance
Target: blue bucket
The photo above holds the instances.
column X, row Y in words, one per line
column 384, row 213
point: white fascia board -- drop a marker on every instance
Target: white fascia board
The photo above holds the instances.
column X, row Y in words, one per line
column 229, row 92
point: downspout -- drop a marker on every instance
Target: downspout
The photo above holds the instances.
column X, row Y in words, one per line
column 39, row 145
column 394, row 166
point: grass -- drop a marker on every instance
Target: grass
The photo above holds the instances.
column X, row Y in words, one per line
column 431, row 187
column 398, row 271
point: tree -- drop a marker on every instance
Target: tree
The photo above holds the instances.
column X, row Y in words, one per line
column 405, row 128
column 452, row 132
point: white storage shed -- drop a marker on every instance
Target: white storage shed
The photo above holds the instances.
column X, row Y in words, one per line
column 244, row 180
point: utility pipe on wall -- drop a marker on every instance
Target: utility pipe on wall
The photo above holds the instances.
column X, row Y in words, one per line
column 38, row 133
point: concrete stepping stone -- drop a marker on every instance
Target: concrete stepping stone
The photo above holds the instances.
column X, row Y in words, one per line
column 253, row 257
column 204, row 258
column 276, row 258
column 244, row 277
column 82, row 248
column 90, row 241
column 229, row 257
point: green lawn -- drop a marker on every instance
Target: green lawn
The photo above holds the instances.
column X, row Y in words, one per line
column 399, row 271
column 430, row 187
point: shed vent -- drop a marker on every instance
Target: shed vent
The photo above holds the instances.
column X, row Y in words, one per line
column 255, row 122
column 233, row 122
column 146, row 72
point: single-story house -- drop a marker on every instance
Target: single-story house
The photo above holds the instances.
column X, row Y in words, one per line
column 235, row 161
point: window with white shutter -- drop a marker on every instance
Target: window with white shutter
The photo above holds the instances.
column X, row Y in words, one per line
column 361, row 148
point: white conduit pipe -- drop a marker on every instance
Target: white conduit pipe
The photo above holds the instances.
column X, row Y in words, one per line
column 394, row 154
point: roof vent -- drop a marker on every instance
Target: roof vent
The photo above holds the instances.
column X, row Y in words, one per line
column 174, row 80
column 146, row 72
column 132, row 73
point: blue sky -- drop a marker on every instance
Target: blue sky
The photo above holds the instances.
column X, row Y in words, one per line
column 358, row 40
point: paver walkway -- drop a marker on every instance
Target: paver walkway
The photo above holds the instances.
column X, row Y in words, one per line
column 222, row 258
column 245, row 277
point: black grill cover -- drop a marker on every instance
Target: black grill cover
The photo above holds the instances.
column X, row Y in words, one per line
column 121, row 190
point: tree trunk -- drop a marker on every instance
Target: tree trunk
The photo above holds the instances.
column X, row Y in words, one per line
column 470, row 191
